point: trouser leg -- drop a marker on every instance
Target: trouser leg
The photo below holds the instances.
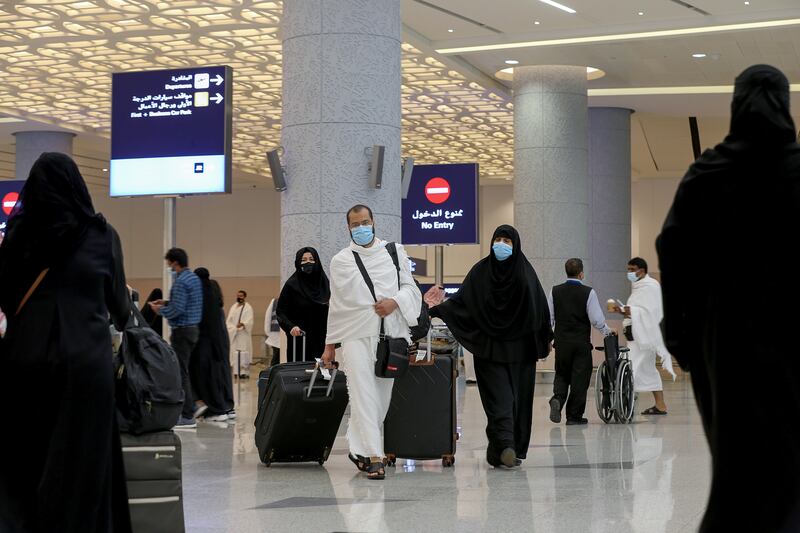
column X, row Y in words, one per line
column 563, row 378
column 183, row 342
column 276, row 356
column 523, row 379
column 497, row 397
column 581, row 377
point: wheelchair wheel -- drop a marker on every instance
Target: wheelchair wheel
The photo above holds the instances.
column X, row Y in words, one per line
column 626, row 396
column 603, row 393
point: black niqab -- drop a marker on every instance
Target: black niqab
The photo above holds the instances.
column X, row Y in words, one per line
column 314, row 285
column 48, row 224
column 500, row 302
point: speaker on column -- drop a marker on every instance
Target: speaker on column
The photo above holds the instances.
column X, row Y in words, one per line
column 376, row 166
column 407, row 171
column 277, row 170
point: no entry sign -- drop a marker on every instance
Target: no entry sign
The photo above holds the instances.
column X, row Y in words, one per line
column 442, row 205
column 437, row 190
column 9, row 202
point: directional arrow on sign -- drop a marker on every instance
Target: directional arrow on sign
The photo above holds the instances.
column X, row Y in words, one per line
column 218, row 80
column 217, row 98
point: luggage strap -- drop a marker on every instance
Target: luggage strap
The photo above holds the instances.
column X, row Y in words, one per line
column 33, row 288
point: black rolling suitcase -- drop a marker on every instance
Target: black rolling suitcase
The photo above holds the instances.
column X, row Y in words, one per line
column 421, row 422
column 299, row 412
column 153, row 471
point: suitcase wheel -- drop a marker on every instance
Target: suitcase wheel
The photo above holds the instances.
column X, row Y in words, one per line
column 321, row 462
column 391, row 459
column 267, row 464
column 448, row 460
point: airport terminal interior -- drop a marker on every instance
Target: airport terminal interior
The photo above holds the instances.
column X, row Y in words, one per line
column 243, row 130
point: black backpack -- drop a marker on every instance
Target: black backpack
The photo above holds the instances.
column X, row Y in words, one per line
column 420, row 331
column 148, row 386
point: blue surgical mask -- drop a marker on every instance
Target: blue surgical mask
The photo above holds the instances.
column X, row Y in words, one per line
column 362, row 235
column 632, row 277
column 502, row 251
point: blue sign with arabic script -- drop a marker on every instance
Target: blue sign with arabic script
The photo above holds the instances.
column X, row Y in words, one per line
column 442, row 205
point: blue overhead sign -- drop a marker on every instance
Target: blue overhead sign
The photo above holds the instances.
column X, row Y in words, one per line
column 171, row 132
column 442, row 205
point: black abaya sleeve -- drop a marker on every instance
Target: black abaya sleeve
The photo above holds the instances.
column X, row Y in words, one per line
column 283, row 308
column 116, row 290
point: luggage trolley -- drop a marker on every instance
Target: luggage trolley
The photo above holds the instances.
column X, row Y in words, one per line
column 613, row 386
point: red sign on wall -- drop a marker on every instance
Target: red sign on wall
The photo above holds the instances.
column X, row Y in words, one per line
column 9, row 201
column 437, row 190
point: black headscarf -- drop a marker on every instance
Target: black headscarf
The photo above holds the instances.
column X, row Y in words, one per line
column 315, row 285
column 500, row 301
column 212, row 324
column 46, row 227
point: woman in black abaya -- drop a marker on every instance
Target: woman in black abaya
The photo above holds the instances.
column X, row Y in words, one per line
column 61, row 470
column 208, row 368
column 303, row 305
column 501, row 315
column 153, row 320
column 731, row 305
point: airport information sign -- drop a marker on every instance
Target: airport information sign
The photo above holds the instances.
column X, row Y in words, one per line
column 442, row 205
column 9, row 196
column 171, row 132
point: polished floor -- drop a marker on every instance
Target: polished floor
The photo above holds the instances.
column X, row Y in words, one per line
column 650, row 476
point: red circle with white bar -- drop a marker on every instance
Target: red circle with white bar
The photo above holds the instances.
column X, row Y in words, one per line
column 437, row 190
column 9, row 201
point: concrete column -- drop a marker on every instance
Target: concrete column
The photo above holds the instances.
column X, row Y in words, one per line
column 551, row 185
column 610, row 177
column 31, row 144
column 341, row 94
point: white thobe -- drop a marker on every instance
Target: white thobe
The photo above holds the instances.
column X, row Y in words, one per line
column 273, row 337
column 353, row 323
column 241, row 339
column 647, row 311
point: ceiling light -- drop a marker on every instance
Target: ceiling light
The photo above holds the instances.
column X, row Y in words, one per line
column 650, row 91
column 641, row 13
column 512, row 62
column 451, row 30
column 747, row 3
column 698, row 55
column 9, row 120
column 105, row 170
column 508, row 73
column 537, row 22
column 625, row 36
column 562, row 7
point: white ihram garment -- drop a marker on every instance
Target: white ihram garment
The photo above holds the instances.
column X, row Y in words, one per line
column 241, row 339
column 353, row 323
column 647, row 311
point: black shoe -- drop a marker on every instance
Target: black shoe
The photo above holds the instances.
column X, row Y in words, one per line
column 577, row 421
column 517, row 462
column 555, row 410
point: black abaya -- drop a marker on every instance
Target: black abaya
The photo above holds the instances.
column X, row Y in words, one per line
column 731, row 306
column 209, row 368
column 501, row 315
column 153, row 320
column 62, row 469
column 303, row 302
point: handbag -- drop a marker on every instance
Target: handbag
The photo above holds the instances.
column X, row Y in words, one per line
column 627, row 329
column 391, row 356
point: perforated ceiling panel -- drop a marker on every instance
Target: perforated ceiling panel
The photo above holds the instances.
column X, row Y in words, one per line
column 56, row 58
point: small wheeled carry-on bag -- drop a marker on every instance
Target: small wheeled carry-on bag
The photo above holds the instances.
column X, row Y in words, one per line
column 153, row 472
column 299, row 413
column 421, row 422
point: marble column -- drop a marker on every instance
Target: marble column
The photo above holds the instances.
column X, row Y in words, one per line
column 610, row 178
column 341, row 94
column 551, row 185
column 31, row 144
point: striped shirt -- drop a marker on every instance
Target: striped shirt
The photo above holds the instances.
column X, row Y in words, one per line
column 185, row 306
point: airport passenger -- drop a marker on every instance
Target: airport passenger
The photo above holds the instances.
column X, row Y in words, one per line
column 240, row 330
column 272, row 331
column 501, row 315
column 153, row 320
column 730, row 306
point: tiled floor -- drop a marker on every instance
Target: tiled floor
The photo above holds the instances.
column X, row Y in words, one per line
column 651, row 476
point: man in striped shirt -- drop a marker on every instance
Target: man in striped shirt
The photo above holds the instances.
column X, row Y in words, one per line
column 183, row 311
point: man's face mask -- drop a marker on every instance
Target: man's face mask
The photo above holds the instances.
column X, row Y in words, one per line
column 240, row 299
column 362, row 235
column 632, row 277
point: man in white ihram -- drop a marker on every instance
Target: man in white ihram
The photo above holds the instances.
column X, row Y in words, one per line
column 644, row 313
column 240, row 331
column 354, row 321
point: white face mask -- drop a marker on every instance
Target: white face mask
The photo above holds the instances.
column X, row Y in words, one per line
column 632, row 277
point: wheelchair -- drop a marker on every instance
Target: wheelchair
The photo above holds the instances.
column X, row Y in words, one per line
column 613, row 387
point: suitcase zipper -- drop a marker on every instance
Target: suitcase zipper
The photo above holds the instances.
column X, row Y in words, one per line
column 128, row 449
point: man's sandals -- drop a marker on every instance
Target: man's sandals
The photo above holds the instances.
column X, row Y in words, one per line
column 653, row 411
column 374, row 470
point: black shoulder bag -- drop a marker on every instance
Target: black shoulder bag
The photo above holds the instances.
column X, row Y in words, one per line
column 420, row 331
column 391, row 357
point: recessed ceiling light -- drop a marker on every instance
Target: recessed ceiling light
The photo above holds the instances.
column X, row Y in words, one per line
column 780, row 23
column 641, row 13
column 698, row 56
column 512, row 62
column 747, row 3
column 105, row 170
column 9, row 120
column 537, row 22
column 562, row 7
column 451, row 30
column 508, row 73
